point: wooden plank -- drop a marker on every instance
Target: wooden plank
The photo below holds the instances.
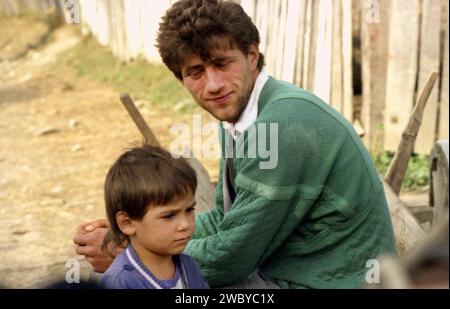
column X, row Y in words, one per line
column 374, row 52
column 300, row 44
column 322, row 74
column 262, row 10
column 133, row 27
column 9, row 8
column 248, row 6
column 290, row 41
column 309, row 75
column 402, row 68
column 307, row 45
column 336, row 59
column 272, row 39
column 443, row 112
column 429, row 58
column 347, row 58
column 407, row 229
column 150, row 19
column 280, row 38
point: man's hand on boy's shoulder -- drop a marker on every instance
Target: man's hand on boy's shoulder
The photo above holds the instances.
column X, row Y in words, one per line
column 88, row 240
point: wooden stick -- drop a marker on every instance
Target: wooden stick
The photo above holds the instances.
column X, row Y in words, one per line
column 397, row 168
column 149, row 137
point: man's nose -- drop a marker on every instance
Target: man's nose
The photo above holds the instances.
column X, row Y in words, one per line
column 214, row 80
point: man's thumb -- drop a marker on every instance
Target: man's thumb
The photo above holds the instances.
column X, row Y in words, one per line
column 89, row 228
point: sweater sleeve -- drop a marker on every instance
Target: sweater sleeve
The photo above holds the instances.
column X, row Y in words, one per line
column 248, row 234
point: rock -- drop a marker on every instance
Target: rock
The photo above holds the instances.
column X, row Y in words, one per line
column 26, row 78
column 73, row 123
column 145, row 110
column 67, row 87
column 19, row 232
column 56, row 189
column 141, row 103
column 76, row 147
column 46, row 131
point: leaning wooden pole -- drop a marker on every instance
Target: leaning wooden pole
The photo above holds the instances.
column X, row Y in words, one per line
column 204, row 195
column 147, row 133
column 397, row 168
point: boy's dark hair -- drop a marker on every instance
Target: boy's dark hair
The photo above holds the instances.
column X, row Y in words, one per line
column 141, row 177
column 194, row 27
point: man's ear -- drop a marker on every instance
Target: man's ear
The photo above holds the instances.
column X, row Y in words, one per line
column 126, row 225
column 253, row 55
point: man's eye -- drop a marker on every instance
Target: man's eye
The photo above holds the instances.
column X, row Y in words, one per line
column 195, row 74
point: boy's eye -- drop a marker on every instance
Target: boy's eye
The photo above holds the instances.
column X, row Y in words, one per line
column 168, row 216
column 190, row 209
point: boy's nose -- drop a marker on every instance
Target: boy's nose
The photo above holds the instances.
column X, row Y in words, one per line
column 183, row 224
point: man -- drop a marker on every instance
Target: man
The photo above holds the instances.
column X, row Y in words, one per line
column 315, row 217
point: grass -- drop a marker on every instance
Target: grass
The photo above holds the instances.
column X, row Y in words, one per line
column 21, row 33
column 417, row 173
column 143, row 80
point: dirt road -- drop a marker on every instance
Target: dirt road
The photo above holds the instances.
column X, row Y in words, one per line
column 59, row 134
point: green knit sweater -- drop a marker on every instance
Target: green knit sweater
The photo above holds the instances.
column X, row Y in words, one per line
column 311, row 222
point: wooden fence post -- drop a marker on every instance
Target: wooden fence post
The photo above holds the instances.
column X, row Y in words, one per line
column 374, row 54
column 401, row 69
column 429, row 58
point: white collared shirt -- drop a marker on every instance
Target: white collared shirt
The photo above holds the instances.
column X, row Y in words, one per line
column 250, row 112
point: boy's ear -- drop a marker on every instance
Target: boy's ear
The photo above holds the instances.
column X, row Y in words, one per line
column 126, row 225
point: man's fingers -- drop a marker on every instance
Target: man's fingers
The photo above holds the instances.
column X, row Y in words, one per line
column 94, row 238
column 92, row 225
column 82, row 250
column 100, row 223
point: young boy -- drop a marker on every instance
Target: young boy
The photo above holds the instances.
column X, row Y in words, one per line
column 149, row 198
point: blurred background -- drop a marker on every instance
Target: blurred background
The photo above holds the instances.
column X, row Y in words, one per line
column 63, row 64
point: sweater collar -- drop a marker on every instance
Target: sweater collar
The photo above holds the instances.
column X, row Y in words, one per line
column 137, row 263
column 267, row 91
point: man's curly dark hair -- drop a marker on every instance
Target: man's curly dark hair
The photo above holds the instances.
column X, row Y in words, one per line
column 197, row 27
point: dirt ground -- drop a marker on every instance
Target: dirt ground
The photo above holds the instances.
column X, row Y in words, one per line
column 59, row 134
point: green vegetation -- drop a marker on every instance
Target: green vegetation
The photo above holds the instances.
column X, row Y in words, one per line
column 143, row 80
column 417, row 174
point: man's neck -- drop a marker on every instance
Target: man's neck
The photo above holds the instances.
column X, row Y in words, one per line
column 250, row 112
